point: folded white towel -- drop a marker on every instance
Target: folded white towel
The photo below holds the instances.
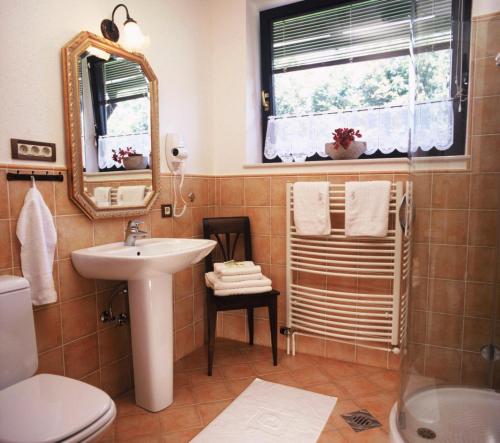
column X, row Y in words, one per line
column 102, row 194
column 311, row 208
column 38, row 237
column 243, row 291
column 243, row 277
column 367, row 208
column 214, row 282
column 236, row 268
column 131, row 194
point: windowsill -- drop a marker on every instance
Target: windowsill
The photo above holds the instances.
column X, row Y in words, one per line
column 450, row 163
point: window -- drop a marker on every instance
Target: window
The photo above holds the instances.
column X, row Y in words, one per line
column 329, row 64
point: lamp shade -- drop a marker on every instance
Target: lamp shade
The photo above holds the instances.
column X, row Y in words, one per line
column 132, row 38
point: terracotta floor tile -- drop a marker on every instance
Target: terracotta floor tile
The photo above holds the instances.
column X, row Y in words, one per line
column 376, row 435
column 181, row 436
column 284, row 378
column 133, row 426
column 331, row 436
column 125, row 405
column 209, row 411
column 309, row 376
column 331, row 389
column 198, row 399
column 178, row 419
column 359, row 386
column 266, row 367
column 236, row 387
column 233, row 372
column 183, row 396
column 388, row 380
column 200, row 376
column 212, row 392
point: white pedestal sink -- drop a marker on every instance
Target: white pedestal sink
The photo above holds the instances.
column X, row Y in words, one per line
column 148, row 267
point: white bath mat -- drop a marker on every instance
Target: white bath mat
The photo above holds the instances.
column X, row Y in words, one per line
column 268, row 412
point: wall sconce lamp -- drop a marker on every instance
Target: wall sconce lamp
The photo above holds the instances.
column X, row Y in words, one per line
column 132, row 39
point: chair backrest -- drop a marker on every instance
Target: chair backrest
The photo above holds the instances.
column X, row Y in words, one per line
column 227, row 231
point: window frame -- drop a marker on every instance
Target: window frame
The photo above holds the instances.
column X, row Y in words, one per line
column 303, row 7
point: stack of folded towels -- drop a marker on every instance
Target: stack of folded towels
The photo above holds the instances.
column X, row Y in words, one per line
column 237, row 278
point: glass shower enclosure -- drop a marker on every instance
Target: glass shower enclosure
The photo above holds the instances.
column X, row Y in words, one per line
column 451, row 359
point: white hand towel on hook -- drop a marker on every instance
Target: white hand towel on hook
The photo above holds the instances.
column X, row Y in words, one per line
column 311, row 208
column 38, row 237
column 367, row 208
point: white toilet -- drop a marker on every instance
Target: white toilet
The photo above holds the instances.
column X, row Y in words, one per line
column 40, row 408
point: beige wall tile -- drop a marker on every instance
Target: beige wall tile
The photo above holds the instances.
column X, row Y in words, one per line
column 446, row 296
column 4, row 196
column 443, row 364
column 485, row 190
column 48, row 328
column 483, row 229
column 447, row 262
column 487, row 38
column 486, row 80
column 479, row 299
column 51, row 362
column 257, row 191
column 480, row 266
column 486, row 153
column 72, row 284
column 445, row 330
column 231, row 191
column 449, row 227
column 78, row 318
column 114, row 343
column 81, row 357
column 116, row 378
column 486, row 119
column 450, row 191
column 477, row 333
column 73, row 232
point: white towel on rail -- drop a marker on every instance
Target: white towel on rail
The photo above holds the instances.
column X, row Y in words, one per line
column 311, row 208
column 133, row 195
column 102, row 194
column 367, row 208
column 236, row 268
column 214, row 282
column 38, row 237
column 243, row 277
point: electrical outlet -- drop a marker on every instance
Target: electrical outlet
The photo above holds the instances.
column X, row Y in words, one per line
column 31, row 150
column 166, row 211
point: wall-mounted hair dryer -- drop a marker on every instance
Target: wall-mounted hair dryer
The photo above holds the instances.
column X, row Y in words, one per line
column 176, row 155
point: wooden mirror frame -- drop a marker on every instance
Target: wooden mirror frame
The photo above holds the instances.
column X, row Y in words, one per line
column 70, row 54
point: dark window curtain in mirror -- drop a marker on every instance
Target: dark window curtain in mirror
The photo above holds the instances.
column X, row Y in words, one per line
column 98, row 88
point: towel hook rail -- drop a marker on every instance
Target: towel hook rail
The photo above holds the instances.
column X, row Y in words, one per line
column 38, row 177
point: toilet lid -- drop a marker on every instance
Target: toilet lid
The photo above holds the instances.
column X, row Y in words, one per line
column 48, row 408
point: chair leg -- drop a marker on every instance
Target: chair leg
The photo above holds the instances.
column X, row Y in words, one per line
column 212, row 322
column 250, row 324
column 273, row 323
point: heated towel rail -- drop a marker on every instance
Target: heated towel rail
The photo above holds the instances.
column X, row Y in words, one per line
column 352, row 290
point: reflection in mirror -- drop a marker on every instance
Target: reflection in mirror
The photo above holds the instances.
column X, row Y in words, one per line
column 116, row 136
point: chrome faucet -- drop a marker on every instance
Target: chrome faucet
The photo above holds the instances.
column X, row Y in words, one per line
column 132, row 233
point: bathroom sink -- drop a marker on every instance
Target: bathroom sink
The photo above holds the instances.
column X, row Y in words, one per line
column 149, row 258
column 148, row 267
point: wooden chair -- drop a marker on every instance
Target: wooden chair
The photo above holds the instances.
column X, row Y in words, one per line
column 227, row 231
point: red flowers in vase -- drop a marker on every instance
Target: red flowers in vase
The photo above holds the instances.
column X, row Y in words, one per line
column 123, row 153
column 345, row 136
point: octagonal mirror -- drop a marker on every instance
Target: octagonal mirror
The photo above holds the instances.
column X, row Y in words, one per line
column 111, row 122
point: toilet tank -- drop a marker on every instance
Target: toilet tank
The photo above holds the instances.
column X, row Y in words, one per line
column 18, row 353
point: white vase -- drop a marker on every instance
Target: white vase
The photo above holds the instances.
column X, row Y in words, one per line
column 354, row 151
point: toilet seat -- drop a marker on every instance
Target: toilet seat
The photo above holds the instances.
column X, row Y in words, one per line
column 50, row 408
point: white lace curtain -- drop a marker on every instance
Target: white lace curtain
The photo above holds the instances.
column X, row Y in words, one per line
column 141, row 143
column 384, row 129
